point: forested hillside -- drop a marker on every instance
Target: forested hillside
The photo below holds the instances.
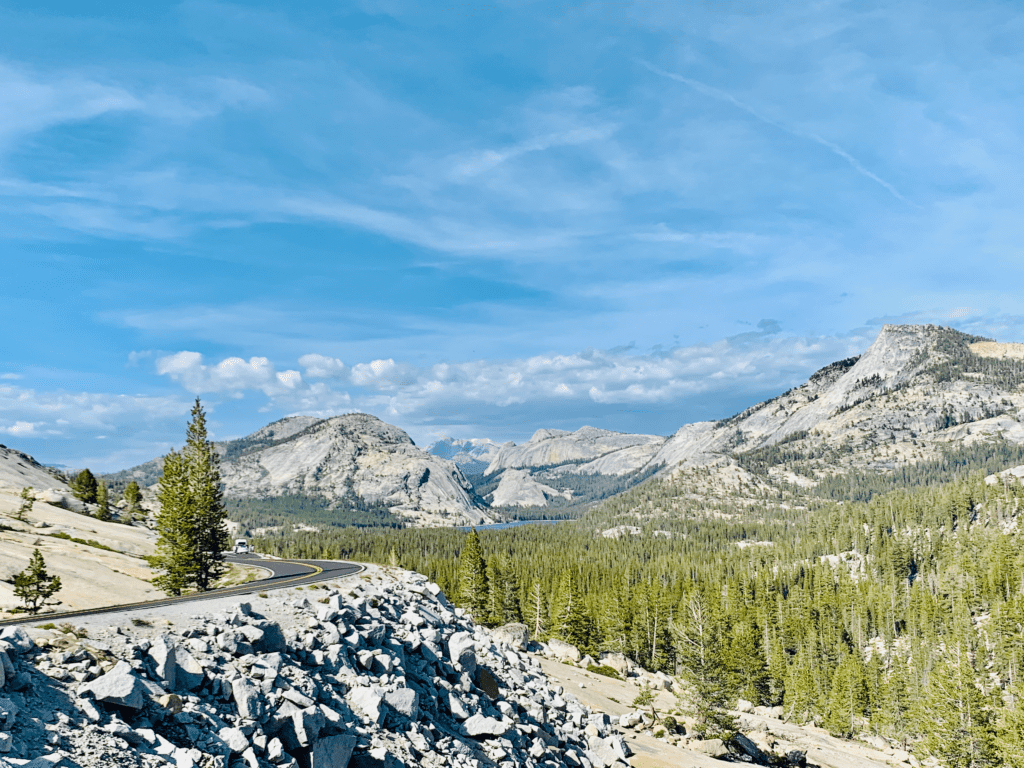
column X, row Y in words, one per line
column 902, row 616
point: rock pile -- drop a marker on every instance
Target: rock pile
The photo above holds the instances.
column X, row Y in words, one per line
column 382, row 674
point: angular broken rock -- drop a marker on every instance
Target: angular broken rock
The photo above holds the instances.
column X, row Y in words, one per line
column 462, row 652
column 120, row 686
column 235, row 739
column 405, row 702
column 333, row 751
column 188, row 673
column 367, row 702
column 487, row 727
column 248, row 698
column 163, row 655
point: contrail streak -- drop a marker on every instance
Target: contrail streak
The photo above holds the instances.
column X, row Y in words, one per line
column 715, row 93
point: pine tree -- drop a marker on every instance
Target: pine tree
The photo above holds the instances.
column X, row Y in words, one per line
column 955, row 719
column 192, row 524
column 132, row 496
column 473, row 592
column 34, row 585
column 26, row 504
column 84, row 486
column 572, row 623
column 175, row 554
column 699, row 652
column 208, row 515
column 848, row 696
column 495, row 591
column 1010, row 737
column 102, row 501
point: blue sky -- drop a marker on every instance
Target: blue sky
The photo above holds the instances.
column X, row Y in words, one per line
column 482, row 218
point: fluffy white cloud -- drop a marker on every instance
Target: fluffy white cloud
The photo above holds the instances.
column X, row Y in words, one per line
column 323, row 367
column 232, row 375
column 756, row 362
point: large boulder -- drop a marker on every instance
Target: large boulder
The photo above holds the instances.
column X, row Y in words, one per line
column 515, row 636
column 120, row 686
column 564, row 651
column 248, row 698
column 709, row 747
column 18, row 639
column 272, row 641
column 617, row 661
column 462, row 652
column 404, row 702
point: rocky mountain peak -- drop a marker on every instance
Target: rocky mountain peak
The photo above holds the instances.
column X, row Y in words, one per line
column 547, row 434
column 911, row 393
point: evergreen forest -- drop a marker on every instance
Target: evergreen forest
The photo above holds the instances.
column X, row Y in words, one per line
column 901, row 614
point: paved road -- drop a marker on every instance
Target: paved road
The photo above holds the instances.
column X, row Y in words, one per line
column 283, row 573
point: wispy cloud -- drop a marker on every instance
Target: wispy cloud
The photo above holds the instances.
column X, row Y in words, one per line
column 29, row 103
column 28, row 412
column 721, row 95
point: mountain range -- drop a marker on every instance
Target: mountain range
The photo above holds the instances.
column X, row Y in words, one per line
column 917, row 393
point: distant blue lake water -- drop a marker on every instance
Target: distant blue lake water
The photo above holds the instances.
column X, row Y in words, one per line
column 512, row 524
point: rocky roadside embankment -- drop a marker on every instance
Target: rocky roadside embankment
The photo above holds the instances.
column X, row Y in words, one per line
column 377, row 671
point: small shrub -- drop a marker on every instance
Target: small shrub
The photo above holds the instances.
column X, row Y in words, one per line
column 47, row 625
column 605, row 670
column 262, row 594
column 70, row 629
column 659, row 734
column 137, row 622
column 670, row 723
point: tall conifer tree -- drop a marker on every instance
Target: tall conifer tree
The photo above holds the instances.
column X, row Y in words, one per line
column 192, row 524
column 208, row 517
column 473, row 593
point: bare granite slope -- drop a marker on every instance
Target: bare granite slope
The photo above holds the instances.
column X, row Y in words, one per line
column 550, row 447
column 354, row 453
column 917, row 389
column 333, row 459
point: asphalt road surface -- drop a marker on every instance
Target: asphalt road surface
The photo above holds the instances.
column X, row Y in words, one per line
column 283, row 573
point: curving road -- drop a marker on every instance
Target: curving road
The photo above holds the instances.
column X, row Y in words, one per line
column 283, row 573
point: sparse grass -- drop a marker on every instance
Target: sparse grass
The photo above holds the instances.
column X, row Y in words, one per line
column 47, row 625
column 137, row 622
column 262, row 594
column 70, row 629
column 76, row 540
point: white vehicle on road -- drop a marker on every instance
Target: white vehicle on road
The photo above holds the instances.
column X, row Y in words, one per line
column 241, row 547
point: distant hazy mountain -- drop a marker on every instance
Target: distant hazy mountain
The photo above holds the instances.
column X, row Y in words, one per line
column 472, row 456
column 621, row 452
